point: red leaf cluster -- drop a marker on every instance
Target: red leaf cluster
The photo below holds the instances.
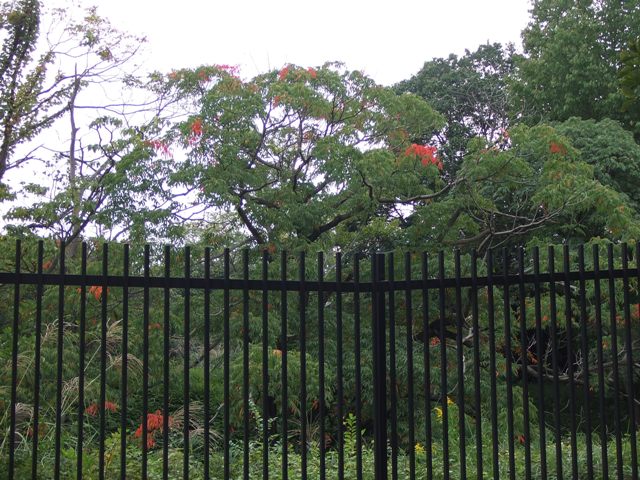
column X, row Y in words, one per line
column 96, row 291
column 557, row 148
column 196, row 127
column 155, row 422
column 283, row 73
column 94, row 408
column 233, row 70
column 425, row 153
column 159, row 146
column 196, row 131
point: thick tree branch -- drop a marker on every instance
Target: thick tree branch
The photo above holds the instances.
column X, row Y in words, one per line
column 247, row 222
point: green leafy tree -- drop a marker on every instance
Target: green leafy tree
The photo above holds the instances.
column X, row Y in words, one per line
column 471, row 92
column 629, row 76
column 302, row 155
column 571, row 58
column 100, row 177
column 612, row 152
column 538, row 188
column 324, row 157
column 27, row 106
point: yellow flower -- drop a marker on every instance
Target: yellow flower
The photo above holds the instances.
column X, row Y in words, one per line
column 450, row 401
column 438, row 411
column 419, row 448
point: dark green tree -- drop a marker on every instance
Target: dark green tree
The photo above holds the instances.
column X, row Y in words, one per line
column 571, row 58
column 629, row 76
column 612, row 152
column 471, row 92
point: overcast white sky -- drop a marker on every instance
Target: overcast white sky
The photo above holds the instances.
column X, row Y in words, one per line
column 388, row 40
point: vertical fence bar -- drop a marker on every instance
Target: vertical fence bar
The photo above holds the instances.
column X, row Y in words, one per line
column 492, row 367
column 540, row 364
column 225, row 366
column 379, row 368
column 443, row 366
column 570, row 357
column 636, row 400
column 185, row 365
column 303, row 364
column 460, row 367
column 426, row 360
column 103, row 358
column 207, row 358
column 614, row 358
column 476, row 362
column 265, row 365
column 165, row 363
column 585, row 360
column 81, row 359
column 14, row 360
column 392, row 368
column 358, row 362
column 601, row 382
column 554, row 360
column 508, row 351
column 59, row 352
column 245, row 364
column 37, row 360
column 629, row 362
column 409, row 331
column 524, row 352
column 125, row 354
column 145, row 359
column 283, row 349
column 339, row 353
column 321, row 405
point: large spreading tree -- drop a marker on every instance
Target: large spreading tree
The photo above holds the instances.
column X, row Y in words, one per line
column 303, row 155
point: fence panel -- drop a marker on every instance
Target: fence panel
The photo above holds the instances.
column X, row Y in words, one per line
column 130, row 362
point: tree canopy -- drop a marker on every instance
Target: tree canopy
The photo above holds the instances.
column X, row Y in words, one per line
column 323, row 156
column 571, row 59
column 471, row 92
column 303, row 154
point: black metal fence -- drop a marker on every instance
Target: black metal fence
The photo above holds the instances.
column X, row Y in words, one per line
column 180, row 364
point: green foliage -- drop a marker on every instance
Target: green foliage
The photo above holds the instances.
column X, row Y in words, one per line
column 629, row 77
column 471, row 92
column 539, row 187
column 24, row 111
column 409, row 337
column 612, row 152
column 298, row 153
column 571, row 58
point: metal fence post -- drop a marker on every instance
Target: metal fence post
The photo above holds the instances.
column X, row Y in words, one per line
column 379, row 370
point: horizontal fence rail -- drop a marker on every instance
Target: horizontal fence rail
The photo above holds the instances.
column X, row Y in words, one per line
column 289, row 285
column 118, row 362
